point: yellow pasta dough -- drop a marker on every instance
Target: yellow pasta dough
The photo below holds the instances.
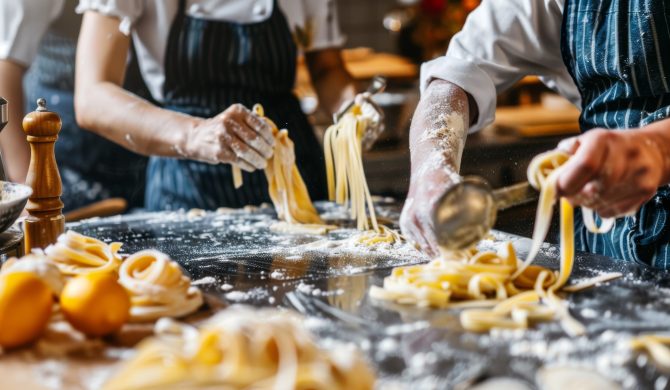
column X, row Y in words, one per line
column 519, row 293
column 344, row 169
column 241, row 348
column 657, row 346
column 74, row 253
column 285, row 184
column 157, row 287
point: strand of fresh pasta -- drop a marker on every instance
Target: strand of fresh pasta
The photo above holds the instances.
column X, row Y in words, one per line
column 285, row 184
column 344, row 169
column 74, row 253
column 157, row 286
column 241, row 348
column 519, row 292
column 656, row 345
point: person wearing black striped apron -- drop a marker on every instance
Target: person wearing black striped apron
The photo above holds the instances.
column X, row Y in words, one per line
column 206, row 63
column 254, row 63
column 618, row 53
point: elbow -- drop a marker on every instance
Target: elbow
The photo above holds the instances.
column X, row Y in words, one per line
column 83, row 109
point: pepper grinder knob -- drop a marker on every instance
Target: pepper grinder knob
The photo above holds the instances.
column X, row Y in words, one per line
column 45, row 208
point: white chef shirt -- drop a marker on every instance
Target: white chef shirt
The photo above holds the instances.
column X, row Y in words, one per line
column 501, row 42
column 22, row 25
column 149, row 22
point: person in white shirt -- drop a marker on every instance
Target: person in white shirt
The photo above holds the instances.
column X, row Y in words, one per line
column 610, row 58
column 37, row 54
column 206, row 63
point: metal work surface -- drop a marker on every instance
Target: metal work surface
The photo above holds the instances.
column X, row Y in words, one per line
column 235, row 258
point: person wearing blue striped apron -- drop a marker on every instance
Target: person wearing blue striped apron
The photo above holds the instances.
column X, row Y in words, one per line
column 611, row 58
column 207, row 62
column 618, row 53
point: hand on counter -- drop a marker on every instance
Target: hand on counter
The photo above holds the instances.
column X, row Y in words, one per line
column 427, row 186
column 437, row 138
column 615, row 172
column 235, row 136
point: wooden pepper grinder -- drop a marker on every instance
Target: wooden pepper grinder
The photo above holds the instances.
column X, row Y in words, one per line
column 45, row 222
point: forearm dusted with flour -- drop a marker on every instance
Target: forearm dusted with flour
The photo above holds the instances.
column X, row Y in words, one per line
column 439, row 127
column 437, row 138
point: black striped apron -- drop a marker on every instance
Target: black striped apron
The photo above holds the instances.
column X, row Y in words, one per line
column 210, row 65
column 618, row 53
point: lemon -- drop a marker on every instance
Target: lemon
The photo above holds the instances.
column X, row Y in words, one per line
column 95, row 303
column 25, row 307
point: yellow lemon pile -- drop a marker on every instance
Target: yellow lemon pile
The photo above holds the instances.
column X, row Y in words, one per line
column 81, row 274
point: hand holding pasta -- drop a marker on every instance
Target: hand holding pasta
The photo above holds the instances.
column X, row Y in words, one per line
column 613, row 172
column 235, row 136
column 373, row 117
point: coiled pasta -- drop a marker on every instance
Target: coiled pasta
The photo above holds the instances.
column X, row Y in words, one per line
column 74, row 253
column 157, row 286
column 241, row 348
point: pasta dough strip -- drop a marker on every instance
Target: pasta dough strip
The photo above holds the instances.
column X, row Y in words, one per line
column 157, row 286
column 344, row 169
column 285, row 184
column 656, row 345
column 241, row 348
column 74, row 253
column 486, row 276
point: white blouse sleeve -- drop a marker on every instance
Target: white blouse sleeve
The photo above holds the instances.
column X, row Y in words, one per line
column 321, row 15
column 128, row 11
column 501, row 42
column 22, row 24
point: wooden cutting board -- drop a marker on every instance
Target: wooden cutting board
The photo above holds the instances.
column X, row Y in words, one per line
column 389, row 65
column 537, row 120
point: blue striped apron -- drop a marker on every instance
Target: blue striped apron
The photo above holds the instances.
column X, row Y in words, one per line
column 618, row 53
column 209, row 66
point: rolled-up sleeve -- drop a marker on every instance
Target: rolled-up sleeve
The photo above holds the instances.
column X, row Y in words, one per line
column 128, row 11
column 322, row 16
column 501, row 42
column 22, row 25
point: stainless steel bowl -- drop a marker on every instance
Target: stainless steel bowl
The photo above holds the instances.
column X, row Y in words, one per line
column 13, row 198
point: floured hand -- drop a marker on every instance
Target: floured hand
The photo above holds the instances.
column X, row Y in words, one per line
column 612, row 172
column 235, row 136
column 428, row 184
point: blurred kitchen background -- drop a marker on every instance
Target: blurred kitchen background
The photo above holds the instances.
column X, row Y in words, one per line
column 392, row 38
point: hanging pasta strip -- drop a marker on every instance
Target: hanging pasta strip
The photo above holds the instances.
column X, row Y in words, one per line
column 285, row 184
column 344, row 170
